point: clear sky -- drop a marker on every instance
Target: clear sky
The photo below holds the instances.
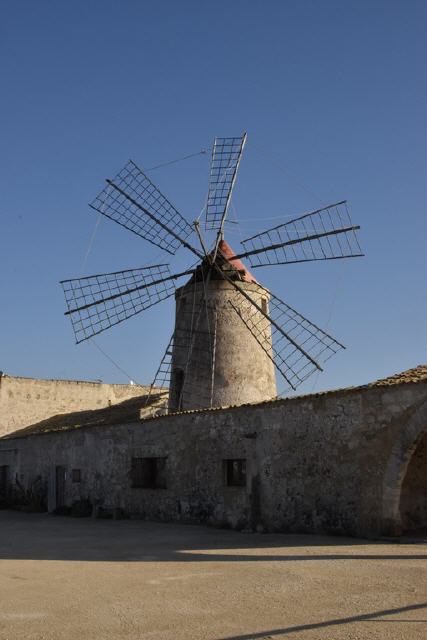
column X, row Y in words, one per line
column 332, row 94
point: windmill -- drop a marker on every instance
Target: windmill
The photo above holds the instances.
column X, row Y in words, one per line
column 231, row 334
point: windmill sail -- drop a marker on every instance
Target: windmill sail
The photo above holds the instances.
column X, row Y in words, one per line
column 163, row 374
column 324, row 234
column 226, row 154
column 182, row 341
column 299, row 346
column 196, row 362
column 134, row 202
column 98, row 302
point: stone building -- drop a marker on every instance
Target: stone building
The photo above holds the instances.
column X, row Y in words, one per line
column 24, row 401
column 351, row 461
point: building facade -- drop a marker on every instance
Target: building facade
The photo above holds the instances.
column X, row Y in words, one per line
column 352, row 461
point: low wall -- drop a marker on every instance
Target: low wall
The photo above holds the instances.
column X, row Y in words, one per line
column 24, row 401
column 313, row 464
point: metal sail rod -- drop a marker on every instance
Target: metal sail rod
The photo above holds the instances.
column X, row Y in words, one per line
column 111, row 273
column 304, row 215
column 225, row 161
column 123, row 293
column 199, row 235
column 220, row 234
column 269, row 264
column 316, row 236
column 224, row 215
column 213, row 358
column 150, row 215
column 278, row 327
column 273, row 297
column 262, row 346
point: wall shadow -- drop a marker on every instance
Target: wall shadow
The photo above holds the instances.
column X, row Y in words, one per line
column 46, row 537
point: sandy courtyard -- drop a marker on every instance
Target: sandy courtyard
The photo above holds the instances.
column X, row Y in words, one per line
column 84, row 578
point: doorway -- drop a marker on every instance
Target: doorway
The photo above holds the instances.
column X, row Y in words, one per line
column 4, row 484
column 60, row 476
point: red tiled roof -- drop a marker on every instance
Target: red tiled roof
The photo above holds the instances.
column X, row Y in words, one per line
column 228, row 253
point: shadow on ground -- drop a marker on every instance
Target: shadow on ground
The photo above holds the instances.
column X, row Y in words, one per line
column 46, row 537
column 375, row 616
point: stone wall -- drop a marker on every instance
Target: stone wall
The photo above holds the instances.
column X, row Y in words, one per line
column 24, row 401
column 317, row 463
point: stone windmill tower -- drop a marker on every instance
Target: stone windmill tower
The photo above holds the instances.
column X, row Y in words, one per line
column 224, row 364
column 231, row 334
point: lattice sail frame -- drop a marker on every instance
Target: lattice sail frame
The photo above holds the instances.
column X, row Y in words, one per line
column 98, row 302
column 299, row 347
column 226, row 155
column 155, row 219
column 162, row 376
column 324, row 234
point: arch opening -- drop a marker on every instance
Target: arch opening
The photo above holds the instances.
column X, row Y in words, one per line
column 413, row 495
column 404, row 481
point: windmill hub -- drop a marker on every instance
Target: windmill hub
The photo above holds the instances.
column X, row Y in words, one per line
column 223, row 261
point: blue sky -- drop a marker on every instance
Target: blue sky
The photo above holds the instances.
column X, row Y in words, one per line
column 333, row 97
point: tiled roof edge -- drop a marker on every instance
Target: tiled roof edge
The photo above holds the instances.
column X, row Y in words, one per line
column 395, row 380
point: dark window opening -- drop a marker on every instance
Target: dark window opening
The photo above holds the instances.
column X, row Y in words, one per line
column 76, row 475
column 60, row 477
column 177, row 386
column 264, row 305
column 235, row 472
column 4, row 480
column 148, row 473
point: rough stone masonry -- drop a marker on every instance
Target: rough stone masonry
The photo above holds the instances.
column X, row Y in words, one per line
column 351, row 461
column 24, row 401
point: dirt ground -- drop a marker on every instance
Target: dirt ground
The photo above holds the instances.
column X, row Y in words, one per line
column 101, row 579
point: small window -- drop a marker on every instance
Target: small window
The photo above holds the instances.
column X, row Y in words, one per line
column 148, row 473
column 76, row 475
column 235, row 472
column 264, row 305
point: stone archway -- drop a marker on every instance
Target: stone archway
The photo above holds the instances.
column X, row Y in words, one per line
column 403, row 479
column 413, row 495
